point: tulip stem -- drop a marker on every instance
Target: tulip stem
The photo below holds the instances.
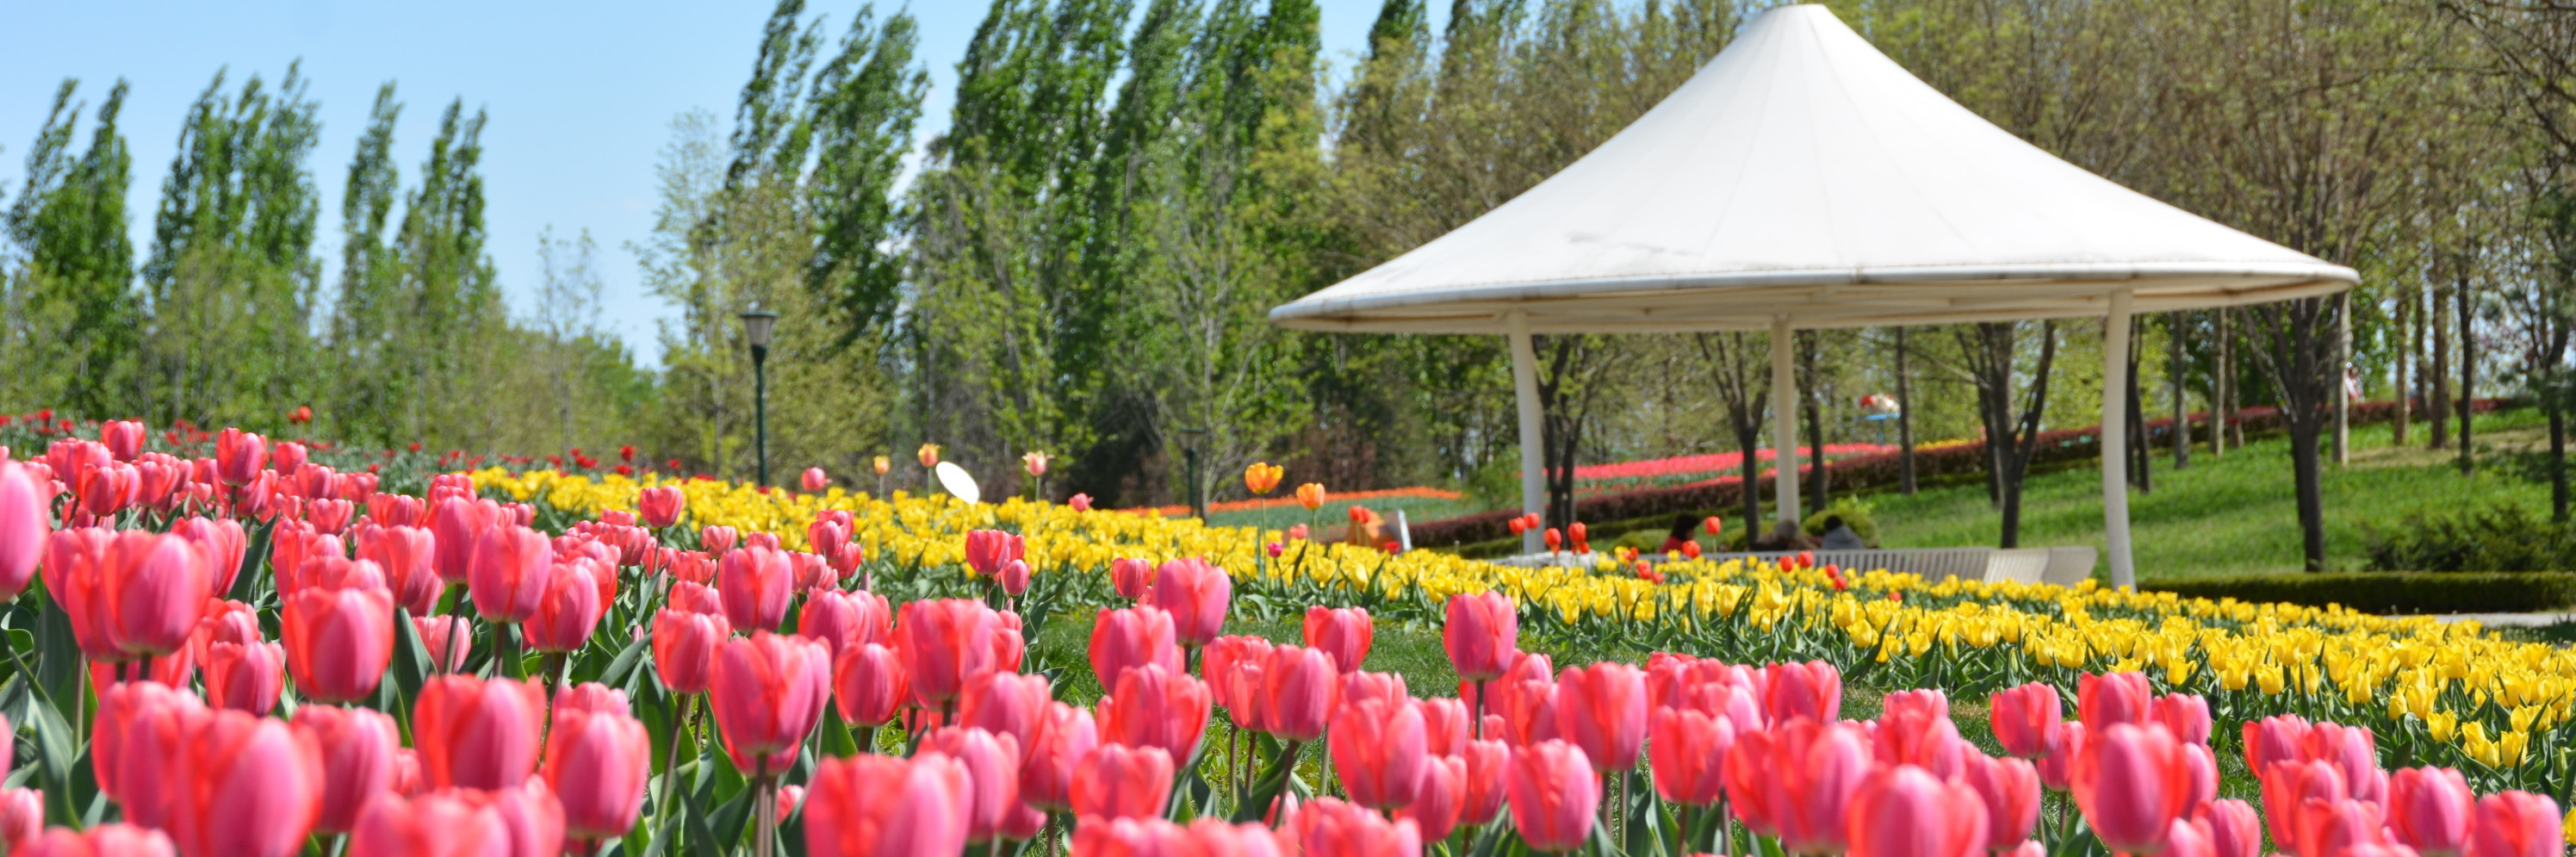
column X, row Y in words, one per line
column 671, row 763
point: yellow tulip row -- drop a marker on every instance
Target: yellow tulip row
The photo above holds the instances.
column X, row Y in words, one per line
column 2460, row 686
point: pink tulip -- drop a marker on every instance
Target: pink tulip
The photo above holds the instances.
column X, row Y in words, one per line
column 106, row 840
column 129, row 594
column 756, row 584
column 476, row 733
column 2186, row 714
column 338, row 641
column 2352, row 751
column 1444, row 725
column 1813, row 690
column 988, row 550
column 123, row 438
column 1554, row 796
column 1197, row 595
column 943, row 643
column 768, row 691
column 660, row 506
column 2131, row 781
column 238, row 456
column 868, row 685
column 1688, row 750
column 2235, row 829
column 1488, row 767
column 2516, row 824
column 1298, row 694
column 287, row 456
column 1065, row 737
column 1005, row 704
column 1122, row 782
column 2288, row 786
column 2105, row 699
column 2057, row 770
column 1013, row 577
column 2009, row 790
column 22, row 818
column 1795, row 780
column 447, row 638
column 684, row 648
column 440, row 824
column 1377, row 749
column 827, row 535
column 358, row 747
column 2331, row 828
column 1482, row 634
column 814, row 480
column 1602, row 710
column 139, row 729
column 877, row 805
column 841, row 618
column 992, row 766
column 2025, row 719
column 408, row 557
column 456, row 526
column 509, row 573
column 245, row 785
column 597, row 762
column 1905, row 810
column 2429, row 810
column 1363, row 684
column 1916, row 730
column 1128, row 637
column 716, row 540
column 1132, row 578
column 1439, row 798
column 23, row 525
column 1155, row 707
column 1329, row 826
column 1079, row 503
column 244, row 676
column 1343, row 633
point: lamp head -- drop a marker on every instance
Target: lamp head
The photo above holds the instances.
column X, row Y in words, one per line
column 756, row 324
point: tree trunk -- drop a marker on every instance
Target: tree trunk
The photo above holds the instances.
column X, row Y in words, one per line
column 2140, row 450
column 2342, row 372
column 2222, row 385
column 2468, row 377
column 2437, row 411
column 2557, row 458
column 2173, row 375
column 2411, row 338
column 2312, row 505
column 1904, row 420
column 1749, row 438
column 1811, row 389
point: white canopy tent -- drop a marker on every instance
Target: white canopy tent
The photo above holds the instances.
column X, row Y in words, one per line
column 1803, row 180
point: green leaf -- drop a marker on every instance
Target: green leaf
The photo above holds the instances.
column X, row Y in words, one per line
column 246, row 578
column 1266, row 788
column 624, row 665
column 731, row 819
column 411, row 665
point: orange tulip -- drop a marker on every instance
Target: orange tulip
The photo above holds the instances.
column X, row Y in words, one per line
column 1311, row 495
column 1263, row 476
column 929, row 455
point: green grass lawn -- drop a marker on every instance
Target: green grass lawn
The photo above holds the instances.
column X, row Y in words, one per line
column 2231, row 515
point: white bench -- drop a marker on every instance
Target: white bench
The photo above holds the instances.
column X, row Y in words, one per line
column 2062, row 566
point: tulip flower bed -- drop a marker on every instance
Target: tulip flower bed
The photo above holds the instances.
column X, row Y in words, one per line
column 1590, row 479
column 533, row 663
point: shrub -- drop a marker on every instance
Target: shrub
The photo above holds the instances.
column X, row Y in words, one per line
column 1855, row 514
column 2391, row 592
column 2494, row 536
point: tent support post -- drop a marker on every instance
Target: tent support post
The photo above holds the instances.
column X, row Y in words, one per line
column 2115, row 439
column 1533, row 455
column 1784, row 423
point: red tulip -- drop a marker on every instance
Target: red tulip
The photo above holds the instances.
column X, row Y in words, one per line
column 768, row 691
column 1065, row 737
column 1688, row 751
column 1905, row 810
column 22, row 818
column 440, row 824
column 2516, row 824
column 238, row 456
column 815, row 480
column 408, row 557
column 660, row 505
column 869, row 805
column 509, row 573
column 244, row 676
column 338, row 641
column 943, row 643
column 1298, row 690
column 1197, row 595
column 106, row 840
column 1813, row 690
column 1131, row 577
column 597, row 762
column 1554, row 796
column 1155, row 707
column 1005, row 704
column 1132, row 636
column 1117, row 781
column 1377, row 749
column 869, row 686
column 1602, row 710
column 457, row 525
column 1439, row 798
column 2122, row 697
column 2235, row 829
column 2025, row 719
column 245, row 785
column 2131, row 781
column 569, row 611
column 988, row 550
column 139, row 729
column 1795, row 781
column 1343, row 633
column 447, row 638
column 1329, row 826
column 2009, row 788
column 756, row 583
column 478, row 734
column 358, row 748
column 1481, row 635
column 23, row 525
column 992, row 766
column 2429, row 810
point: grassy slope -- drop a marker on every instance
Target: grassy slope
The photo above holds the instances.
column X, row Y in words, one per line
column 2231, row 515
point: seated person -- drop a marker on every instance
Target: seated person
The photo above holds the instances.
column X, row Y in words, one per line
column 1784, row 536
column 1839, row 536
column 1681, row 534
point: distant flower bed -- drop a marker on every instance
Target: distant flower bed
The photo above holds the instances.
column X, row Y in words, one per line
column 1686, row 469
column 1344, row 497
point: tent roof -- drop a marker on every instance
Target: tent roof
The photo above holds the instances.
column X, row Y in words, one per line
column 1803, row 173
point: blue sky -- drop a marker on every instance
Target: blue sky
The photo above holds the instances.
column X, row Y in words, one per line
column 581, row 95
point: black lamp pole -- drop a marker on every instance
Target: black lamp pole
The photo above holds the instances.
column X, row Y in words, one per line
column 1190, row 462
column 756, row 324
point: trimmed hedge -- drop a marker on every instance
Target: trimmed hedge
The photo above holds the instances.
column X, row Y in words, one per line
column 1724, row 494
column 2391, row 591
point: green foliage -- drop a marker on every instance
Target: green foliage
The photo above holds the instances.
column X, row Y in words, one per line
column 75, row 259
column 1855, row 514
column 2487, row 536
column 2391, row 592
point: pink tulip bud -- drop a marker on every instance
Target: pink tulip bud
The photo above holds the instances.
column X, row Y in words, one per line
column 1481, row 635
column 477, row 733
column 1905, row 810
column 1155, row 707
column 358, row 749
column 882, row 805
column 814, row 480
column 1117, row 781
column 1554, row 796
column 768, row 691
column 869, row 686
column 2025, row 719
column 597, row 762
column 1297, row 693
column 1344, row 633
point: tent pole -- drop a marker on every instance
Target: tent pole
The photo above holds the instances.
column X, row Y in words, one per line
column 1533, row 456
column 2115, row 439
column 1784, row 423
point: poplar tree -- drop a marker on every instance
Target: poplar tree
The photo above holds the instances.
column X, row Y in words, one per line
column 72, row 295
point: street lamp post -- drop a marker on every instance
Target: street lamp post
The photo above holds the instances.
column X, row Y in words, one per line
column 1190, row 459
column 756, row 324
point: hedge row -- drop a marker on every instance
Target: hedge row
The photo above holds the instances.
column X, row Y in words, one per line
column 1881, row 470
column 2392, row 591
